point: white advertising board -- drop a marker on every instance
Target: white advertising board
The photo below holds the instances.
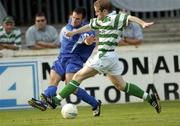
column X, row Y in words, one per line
column 158, row 70
column 19, row 81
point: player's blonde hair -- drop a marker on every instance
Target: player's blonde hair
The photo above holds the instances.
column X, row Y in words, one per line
column 103, row 5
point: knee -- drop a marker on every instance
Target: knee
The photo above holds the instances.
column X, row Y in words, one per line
column 54, row 81
column 78, row 77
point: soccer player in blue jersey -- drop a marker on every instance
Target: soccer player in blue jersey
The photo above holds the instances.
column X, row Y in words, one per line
column 73, row 54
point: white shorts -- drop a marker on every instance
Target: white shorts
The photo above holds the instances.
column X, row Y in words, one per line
column 107, row 64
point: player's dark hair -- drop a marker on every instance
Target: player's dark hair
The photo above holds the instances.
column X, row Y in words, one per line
column 103, row 5
column 40, row 14
column 80, row 10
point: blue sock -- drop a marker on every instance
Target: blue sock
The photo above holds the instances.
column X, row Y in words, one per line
column 83, row 95
column 50, row 91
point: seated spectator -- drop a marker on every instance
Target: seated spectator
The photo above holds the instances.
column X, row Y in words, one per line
column 41, row 35
column 132, row 34
column 10, row 36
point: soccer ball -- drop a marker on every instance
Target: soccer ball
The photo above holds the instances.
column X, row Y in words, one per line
column 69, row 111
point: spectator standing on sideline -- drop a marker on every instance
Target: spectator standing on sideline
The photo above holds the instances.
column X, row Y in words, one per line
column 10, row 36
column 41, row 35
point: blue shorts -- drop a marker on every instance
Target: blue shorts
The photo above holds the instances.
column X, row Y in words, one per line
column 67, row 65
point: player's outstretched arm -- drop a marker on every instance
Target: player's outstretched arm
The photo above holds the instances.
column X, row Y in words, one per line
column 85, row 28
column 141, row 22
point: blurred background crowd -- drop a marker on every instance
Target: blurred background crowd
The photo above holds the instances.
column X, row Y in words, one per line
column 18, row 17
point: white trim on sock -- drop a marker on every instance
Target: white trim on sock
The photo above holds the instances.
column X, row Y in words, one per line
column 59, row 97
column 73, row 84
column 145, row 95
column 128, row 87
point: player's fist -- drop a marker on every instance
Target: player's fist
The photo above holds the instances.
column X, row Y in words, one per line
column 89, row 40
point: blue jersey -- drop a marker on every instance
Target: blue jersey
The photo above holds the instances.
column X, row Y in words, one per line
column 73, row 53
column 75, row 44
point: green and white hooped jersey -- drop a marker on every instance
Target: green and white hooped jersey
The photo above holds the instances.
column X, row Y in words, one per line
column 110, row 30
column 13, row 38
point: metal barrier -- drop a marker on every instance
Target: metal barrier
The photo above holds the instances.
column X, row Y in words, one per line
column 58, row 11
column 160, row 14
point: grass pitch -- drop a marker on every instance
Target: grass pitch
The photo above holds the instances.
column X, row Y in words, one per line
column 132, row 114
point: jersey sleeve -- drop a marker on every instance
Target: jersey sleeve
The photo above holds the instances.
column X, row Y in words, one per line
column 61, row 35
column 55, row 35
column 86, row 34
column 121, row 21
column 82, row 38
column 93, row 24
column 30, row 37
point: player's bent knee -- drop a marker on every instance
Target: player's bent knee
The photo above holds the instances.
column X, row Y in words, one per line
column 78, row 77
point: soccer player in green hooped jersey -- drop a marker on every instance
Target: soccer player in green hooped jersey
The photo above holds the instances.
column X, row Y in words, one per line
column 106, row 60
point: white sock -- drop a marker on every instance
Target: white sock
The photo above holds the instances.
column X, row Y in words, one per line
column 59, row 97
column 145, row 95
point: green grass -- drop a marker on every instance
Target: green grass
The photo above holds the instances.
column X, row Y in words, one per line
column 134, row 114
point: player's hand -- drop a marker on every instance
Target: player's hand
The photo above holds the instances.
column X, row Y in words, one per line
column 147, row 24
column 70, row 33
column 90, row 40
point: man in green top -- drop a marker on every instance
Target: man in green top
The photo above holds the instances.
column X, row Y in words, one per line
column 106, row 60
column 10, row 36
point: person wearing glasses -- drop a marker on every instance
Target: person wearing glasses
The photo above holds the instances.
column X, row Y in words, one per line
column 41, row 35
